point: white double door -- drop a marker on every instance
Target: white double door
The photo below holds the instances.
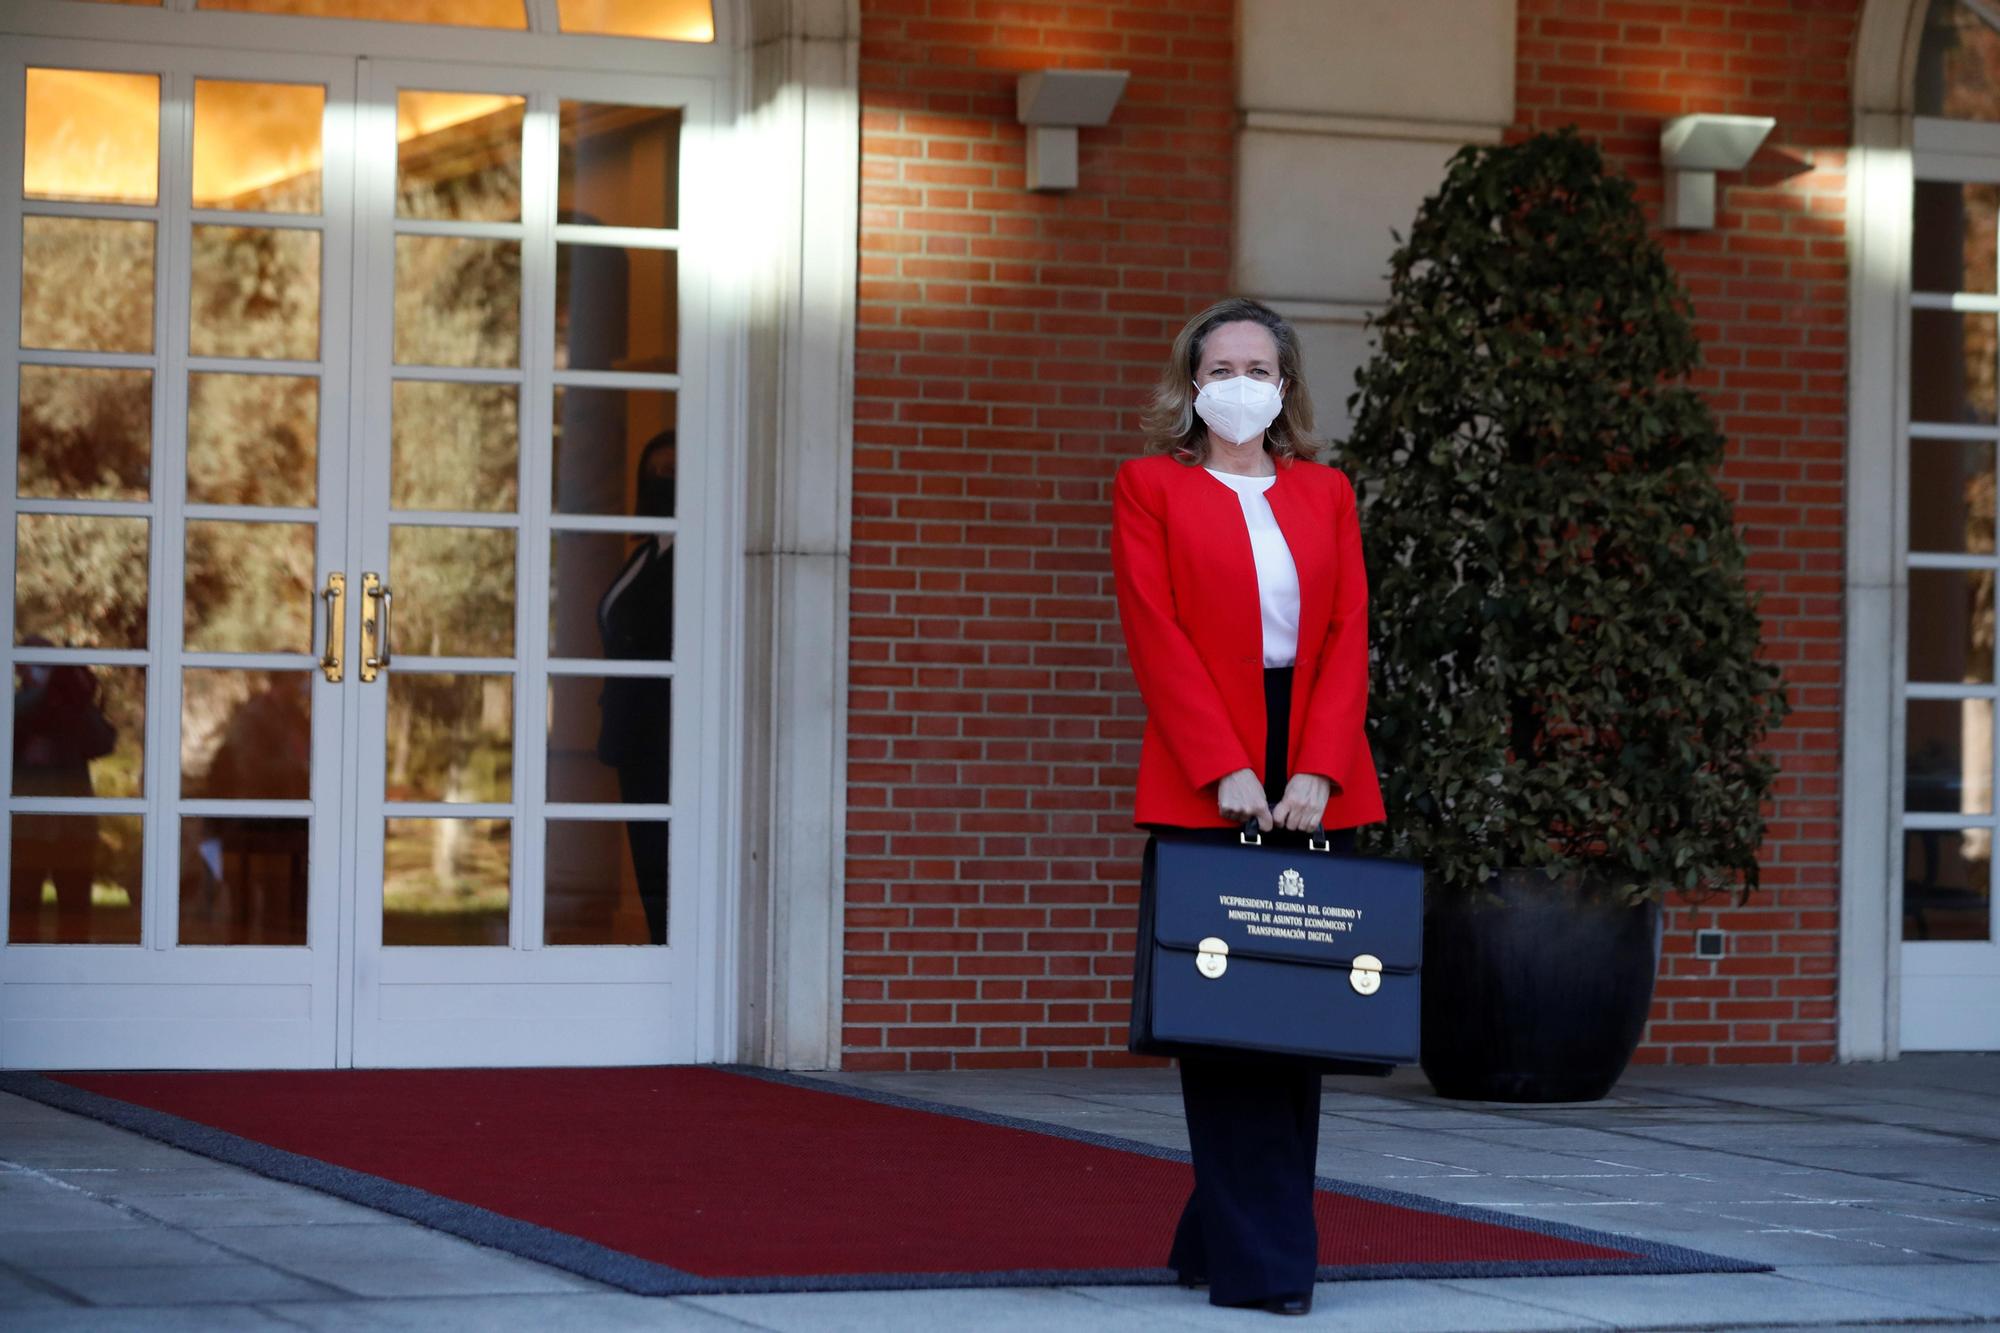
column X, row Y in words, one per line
column 350, row 569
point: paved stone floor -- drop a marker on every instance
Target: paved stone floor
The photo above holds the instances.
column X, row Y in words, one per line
column 1873, row 1189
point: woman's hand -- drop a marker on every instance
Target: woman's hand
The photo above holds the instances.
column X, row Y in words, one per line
column 1305, row 801
column 1240, row 796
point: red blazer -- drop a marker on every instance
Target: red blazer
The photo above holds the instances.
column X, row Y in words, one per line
column 1187, row 597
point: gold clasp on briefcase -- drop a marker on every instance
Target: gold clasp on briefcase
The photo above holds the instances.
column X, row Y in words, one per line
column 1212, row 957
column 1366, row 977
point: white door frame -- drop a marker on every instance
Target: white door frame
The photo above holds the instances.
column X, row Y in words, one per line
column 1882, row 170
column 155, row 1003
column 529, row 1003
column 1936, row 1011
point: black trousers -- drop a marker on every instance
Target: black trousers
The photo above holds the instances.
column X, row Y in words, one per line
column 1253, row 1129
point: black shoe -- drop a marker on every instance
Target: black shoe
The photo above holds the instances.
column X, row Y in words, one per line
column 1272, row 1304
column 1191, row 1279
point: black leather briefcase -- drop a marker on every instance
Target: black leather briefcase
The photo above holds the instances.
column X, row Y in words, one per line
column 1252, row 947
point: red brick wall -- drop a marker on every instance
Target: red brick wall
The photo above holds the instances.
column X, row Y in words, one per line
column 1770, row 291
column 1005, row 341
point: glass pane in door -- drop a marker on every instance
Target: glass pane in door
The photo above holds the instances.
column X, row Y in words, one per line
column 458, row 301
column 1947, row 884
column 1951, row 496
column 615, row 452
column 79, row 730
column 257, row 146
column 1952, row 367
column 617, row 308
column 249, row 587
column 451, row 737
column 1948, row 756
column 606, row 882
column 256, row 293
column 86, row 284
column 91, row 137
column 244, row 880
column 611, row 596
column 619, row 166
column 611, row 739
column 1951, row 625
column 80, row 581
column 458, row 156
column 445, row 882
column 455, row 446
column 75, row 878
column 253, row 439
column 246, row 735
column 1953, row 237
column 85, row 433
column 454, row 591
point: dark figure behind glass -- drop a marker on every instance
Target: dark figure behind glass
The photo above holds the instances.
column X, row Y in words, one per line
column 244, row 880
column 635, row 618
column 58, row 729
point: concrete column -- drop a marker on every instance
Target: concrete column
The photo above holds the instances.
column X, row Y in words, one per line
column 1876, row 591
column 802, row 124
column 1350, row 110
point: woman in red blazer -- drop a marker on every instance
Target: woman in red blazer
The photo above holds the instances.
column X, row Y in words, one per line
column 1245, row 610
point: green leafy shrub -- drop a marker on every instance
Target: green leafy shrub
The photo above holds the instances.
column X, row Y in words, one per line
column 1566, row 666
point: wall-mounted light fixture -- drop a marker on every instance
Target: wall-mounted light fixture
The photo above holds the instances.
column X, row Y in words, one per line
column 1693, row 148
column 1052, row 103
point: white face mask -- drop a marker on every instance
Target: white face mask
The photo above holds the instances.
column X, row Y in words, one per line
column 1238, row 409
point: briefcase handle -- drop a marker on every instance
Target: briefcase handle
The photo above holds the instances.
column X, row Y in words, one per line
column 1252, row 836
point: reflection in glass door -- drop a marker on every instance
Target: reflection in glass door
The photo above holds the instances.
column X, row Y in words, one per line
column 517, row 488
column 445, row 626
column 174, row 804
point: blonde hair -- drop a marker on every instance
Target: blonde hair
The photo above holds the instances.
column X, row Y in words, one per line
column 1170, row 422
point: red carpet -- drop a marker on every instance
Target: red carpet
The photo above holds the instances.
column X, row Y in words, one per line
column 724, row 1175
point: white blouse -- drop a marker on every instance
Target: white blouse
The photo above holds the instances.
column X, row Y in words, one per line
column 1277, row 575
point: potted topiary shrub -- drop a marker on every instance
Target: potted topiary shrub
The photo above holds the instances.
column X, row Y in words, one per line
column 1568, row 705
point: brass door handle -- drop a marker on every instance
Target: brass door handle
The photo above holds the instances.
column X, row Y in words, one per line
column 374, row 625
column 336, row 625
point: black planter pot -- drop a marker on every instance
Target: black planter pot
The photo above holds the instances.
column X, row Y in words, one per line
column 1537, row 993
